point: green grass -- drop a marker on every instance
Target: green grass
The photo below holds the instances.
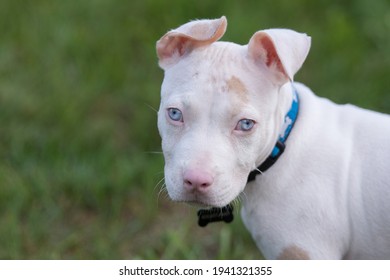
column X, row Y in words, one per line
column 78, row 84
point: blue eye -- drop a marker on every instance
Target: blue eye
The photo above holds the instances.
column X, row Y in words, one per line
column 175, row 114
column 245, row 125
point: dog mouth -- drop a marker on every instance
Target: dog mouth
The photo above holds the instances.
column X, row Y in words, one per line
column 201, row 201
column 201, row 205
column 197, row 204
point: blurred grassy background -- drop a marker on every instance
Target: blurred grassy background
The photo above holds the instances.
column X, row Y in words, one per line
column 79, row 178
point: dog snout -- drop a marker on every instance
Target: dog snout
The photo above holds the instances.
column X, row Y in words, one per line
column 196, row 179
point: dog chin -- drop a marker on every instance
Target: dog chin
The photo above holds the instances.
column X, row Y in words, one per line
column 203, row 201
column 198, row 204
column 205, row 204
column 201, row 205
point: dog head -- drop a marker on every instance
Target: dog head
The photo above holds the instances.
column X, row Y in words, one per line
column 222, row 106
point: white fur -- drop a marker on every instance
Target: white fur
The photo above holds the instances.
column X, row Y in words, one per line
column 328, row 194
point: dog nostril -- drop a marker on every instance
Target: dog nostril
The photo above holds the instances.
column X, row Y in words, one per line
column 196, row 179
column 188, row 182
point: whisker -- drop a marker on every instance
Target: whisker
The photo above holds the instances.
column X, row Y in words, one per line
column 243, row 196
column 236, row 204
column 162, row 193
column 165, row 191
column 237, row 201
column 159, row 182
column 151, row 107
column 158, row 173
column 154, row 152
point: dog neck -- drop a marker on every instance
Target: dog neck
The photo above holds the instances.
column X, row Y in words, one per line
column 289, row 121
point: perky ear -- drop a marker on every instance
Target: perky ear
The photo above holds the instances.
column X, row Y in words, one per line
column 283, row 51
column 178, row 42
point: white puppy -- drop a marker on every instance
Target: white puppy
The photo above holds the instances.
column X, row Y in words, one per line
column 223, row 109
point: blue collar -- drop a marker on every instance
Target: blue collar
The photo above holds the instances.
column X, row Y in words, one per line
column 280, row 145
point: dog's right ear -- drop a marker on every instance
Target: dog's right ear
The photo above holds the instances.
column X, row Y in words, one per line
column 282, row 51
column 181, row 41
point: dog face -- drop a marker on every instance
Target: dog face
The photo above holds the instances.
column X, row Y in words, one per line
column 220, row 112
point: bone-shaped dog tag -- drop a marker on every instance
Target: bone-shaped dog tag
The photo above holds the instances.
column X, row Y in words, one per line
column 206, row 216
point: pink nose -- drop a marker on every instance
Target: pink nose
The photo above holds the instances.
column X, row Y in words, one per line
column 197, row 179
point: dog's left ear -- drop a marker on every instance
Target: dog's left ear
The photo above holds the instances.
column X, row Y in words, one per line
column 282, row 51
column 181, row 41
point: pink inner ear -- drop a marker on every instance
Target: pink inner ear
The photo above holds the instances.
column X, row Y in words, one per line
column 172, row 44
column 182, row 45
column 272, row 55
column 187, row 37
